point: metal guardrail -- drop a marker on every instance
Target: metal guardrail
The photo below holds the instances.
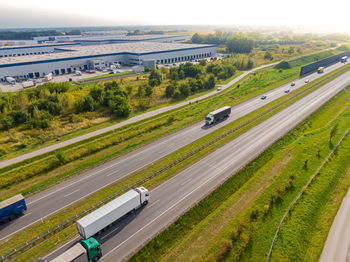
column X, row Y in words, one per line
column 54, row 230
column 312, row 178
column 311, row 68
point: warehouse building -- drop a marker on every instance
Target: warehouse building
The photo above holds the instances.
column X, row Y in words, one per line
column 67, row 59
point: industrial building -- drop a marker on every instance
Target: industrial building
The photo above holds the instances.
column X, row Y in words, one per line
column 63, row 41
column 68, row 58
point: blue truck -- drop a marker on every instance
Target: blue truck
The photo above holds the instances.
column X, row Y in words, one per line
column 12, row 208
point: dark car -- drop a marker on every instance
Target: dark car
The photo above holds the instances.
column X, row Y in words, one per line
column 263, row 97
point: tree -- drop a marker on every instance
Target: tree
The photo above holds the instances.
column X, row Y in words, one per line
column 211, row 82
column 120, row 106
column 148, row 90
column 203, row 62
column 240, row 44
column 155, row 78
column 20, row 117
column 196, row 38
column 97, row 93
column 268, row 56
column 6, row 122
column 88, row 104
column 184, row 89
column 170, row 90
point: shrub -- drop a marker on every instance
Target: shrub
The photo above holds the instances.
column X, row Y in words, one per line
column 6, row 122
column 283, row 65
column 226, row 247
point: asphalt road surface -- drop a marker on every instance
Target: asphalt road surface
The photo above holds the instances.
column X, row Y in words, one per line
column 134, row 119
column 337, row 246
column 175, row 196
column 57, row 197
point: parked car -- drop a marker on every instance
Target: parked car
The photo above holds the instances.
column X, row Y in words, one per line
column 263, row 97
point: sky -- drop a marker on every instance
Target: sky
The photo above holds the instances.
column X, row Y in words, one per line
column 326, row 15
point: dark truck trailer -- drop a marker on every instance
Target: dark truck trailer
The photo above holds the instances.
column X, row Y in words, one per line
column 217, row 115
column 12, row 207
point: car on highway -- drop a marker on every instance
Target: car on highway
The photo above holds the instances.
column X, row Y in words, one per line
column 263, row 97
column 307, row 81
column 219, row 89
column 292, row 84
column 287, row 91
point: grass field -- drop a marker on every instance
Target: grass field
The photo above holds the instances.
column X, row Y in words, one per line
column 48, row 222
column 237, row 223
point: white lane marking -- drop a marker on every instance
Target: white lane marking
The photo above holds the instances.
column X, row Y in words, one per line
column 71, row 193
column 151, row 205
column 210, row 178
column 30, row 203
column 184, row 183
column 113, row 173
column 109, row 233
column 25, row 215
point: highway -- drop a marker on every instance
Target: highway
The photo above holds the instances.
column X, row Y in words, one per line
column 175, row 196
column 337, row 246
column 134, row 119
column 59, row 196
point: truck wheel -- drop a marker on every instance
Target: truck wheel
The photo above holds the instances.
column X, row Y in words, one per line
column 145, row 203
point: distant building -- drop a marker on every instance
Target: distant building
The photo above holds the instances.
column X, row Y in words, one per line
column 38, row 61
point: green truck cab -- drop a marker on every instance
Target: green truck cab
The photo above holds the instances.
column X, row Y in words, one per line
column 93, row 249
column 88, row 250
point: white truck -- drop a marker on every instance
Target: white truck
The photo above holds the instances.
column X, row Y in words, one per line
column 112, row 211
column 10, row 80
column 28, row 83
column 217, row 115
column 48, row 77
column 78, row 73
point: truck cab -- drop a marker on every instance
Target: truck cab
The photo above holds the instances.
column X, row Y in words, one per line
column 93, row 249
column 209, row 119
column 144, row 195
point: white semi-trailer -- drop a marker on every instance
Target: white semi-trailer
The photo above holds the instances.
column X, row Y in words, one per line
column 217, row 115
column 10, row 80
column 27, row 84
column 107, row 214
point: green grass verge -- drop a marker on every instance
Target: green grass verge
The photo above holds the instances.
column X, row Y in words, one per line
column 301, row 238
column 48, row 222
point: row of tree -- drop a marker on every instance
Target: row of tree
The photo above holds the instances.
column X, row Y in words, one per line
column 37, row 107
column 191, row 86
column 235, row 43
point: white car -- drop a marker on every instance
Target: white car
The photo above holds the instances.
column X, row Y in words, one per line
column 307, row 81
column 219, row 89
column 292, row 84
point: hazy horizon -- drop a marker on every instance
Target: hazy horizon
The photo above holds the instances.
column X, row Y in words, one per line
column 300, row 14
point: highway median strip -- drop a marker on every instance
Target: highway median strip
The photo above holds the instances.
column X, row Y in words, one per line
column 186, row 157
column 35, row 174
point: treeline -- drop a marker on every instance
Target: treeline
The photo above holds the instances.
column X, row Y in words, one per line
column 235, row 43
column 37, row 107
column 26, row 35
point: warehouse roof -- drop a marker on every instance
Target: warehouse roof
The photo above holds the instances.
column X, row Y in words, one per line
column 128, row 38
column 75, row 52
column 36, row 45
